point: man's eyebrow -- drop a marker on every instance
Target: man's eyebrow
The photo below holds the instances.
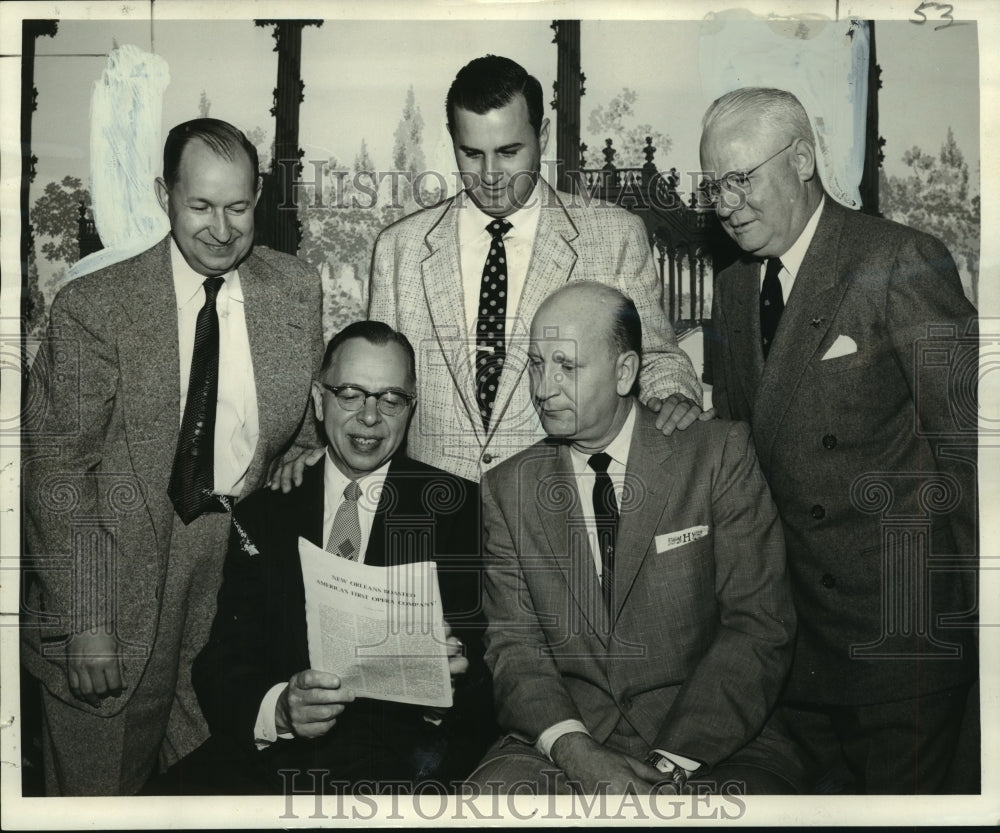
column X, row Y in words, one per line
column 513, row 146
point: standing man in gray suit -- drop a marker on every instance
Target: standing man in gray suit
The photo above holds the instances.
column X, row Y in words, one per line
column 837, row 337
column 165, row 387
column 463, row 279
column 639, row 617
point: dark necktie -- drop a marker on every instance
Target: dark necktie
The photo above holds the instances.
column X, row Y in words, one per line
column 606, row 523
column 193, row 475
column 772, row 303
column 345, row 534
column 490, row 343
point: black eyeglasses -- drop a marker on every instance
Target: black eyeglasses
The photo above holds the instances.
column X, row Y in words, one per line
column 736, row 183
column 390, row 402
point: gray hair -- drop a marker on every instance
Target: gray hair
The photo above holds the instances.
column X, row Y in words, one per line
column 776, row 111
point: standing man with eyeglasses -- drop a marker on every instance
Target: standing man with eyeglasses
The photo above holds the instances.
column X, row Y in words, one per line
column 841, row 338
column 269, row 710
column 165, row 387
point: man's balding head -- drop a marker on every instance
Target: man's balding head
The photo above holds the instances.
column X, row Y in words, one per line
column 584, row 359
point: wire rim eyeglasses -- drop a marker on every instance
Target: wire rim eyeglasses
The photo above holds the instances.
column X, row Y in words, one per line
column 737, row 183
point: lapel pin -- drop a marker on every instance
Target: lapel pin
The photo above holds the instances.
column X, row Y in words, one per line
column 816, row 322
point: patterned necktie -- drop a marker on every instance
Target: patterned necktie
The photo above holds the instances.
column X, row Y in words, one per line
column 192, row 477
column 345, row 534
column 490, row 343
column 606, row 522
column 772, row 303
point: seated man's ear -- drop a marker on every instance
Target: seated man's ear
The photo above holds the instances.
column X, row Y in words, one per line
column 626, row 371
column 162, row 193
column 317, row 398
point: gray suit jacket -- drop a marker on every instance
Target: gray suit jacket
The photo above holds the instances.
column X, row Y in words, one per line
column 416, row 286
column 701, row 637
column 866, row 454
column 101, row 420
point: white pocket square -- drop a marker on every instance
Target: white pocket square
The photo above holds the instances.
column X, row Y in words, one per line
column 670, row 540
column 843, row 346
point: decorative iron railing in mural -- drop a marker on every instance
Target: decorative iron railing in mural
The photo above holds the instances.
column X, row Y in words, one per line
column 682, row 227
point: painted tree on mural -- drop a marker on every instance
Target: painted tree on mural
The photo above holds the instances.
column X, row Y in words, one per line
column 55, row 215
column 54, row 218
column 614, row 121
column 936, row 196
column 408, row 156
column 357, row 202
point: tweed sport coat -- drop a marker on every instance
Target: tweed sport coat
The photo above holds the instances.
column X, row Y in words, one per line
column 100, row 429
column 417, row 287
column 866, row 453
column 700, row 641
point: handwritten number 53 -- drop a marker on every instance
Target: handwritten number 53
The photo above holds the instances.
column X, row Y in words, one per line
column 945, row 10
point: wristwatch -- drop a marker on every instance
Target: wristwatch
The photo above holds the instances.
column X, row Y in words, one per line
column 675, row 774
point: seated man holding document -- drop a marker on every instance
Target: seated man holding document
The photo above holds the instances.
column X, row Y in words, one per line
column 318, row 659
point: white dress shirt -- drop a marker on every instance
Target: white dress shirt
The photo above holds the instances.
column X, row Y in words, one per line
column 791, row 260
column 474, row 244
column 334, row 482
column 618, row 450
column 236, row 425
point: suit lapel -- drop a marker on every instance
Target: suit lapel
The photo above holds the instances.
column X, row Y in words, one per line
column 400, row 500
column 311, row 504
column 441, row 272
column 648, row 485
column 306, row 522
column 272, row 337
column 744, row 290
column 552, row 260
column 150, row 378
column 562, row 522
column 811, row 308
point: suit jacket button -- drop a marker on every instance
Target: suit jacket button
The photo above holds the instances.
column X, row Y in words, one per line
column 829, row 442
column 818, row 512
column 627, row 703
column 828, row 581
column 487, row 458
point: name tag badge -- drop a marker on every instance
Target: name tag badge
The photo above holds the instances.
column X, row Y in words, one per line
column 671, row 540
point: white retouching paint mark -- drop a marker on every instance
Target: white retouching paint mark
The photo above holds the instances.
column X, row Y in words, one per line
column 824, row 63
column 125, row 147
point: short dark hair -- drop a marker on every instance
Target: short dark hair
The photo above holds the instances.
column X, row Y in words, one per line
column 223, row 139
column 491, row 82
column 626, row 327
column 374, row 332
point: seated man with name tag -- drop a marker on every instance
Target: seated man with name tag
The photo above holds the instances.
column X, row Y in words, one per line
column 275, row 719
column 640, row 622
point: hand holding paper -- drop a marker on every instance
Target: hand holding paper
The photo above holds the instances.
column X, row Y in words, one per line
column 381, row 630
column 310, row 705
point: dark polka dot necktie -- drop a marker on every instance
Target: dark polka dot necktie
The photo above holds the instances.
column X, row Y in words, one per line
column 772, row 303
column 490, row 324
column 192, row 477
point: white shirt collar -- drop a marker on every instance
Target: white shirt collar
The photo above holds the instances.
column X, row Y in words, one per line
column 617, row 449
column 792, row 259
column 188, row 283
column 473, row 220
